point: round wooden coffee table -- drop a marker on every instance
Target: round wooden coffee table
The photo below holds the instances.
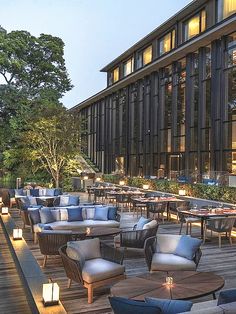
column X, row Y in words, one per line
column 186, row 285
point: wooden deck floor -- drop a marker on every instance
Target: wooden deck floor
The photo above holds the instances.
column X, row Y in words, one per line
column 12, row 293
column 221, row 261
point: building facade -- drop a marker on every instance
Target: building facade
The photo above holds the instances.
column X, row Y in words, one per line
column 170, row 102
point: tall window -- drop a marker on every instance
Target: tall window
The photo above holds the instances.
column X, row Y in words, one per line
column 167, row 43
column 147, row 55
column 225, row 9
column 116, row 75
column 195, row 25
column 128, row 66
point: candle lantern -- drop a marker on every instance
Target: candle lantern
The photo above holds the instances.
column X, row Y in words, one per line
column 4, row 210
column 182, row 192
column 145, row 186
column 122, row 182
column 85, row 178
column 51, row 292
column 17, row 234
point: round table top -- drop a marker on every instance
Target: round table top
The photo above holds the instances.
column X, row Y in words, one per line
column 186, row 285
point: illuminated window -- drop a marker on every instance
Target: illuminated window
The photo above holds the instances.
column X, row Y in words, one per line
column 195, row 25
column 226, row 8
column 167, row 42
column 147, row 55
column 129, row 66
column 116, row 74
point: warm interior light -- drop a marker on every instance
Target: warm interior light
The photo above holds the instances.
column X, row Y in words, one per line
column 182, row 192
column 98, row 179
column 4, row 210
column 51, row 292
column 85, row 178
column 145, row 186
column 122, row 182
column 17, row 234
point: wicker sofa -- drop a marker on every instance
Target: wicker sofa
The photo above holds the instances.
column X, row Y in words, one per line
column 61, row 218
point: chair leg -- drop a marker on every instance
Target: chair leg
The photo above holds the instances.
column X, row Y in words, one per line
column 186, row 228
column 69, row 283
column 181, row 226
column 90, row 294
column 219, row 240
column 230, row 239
column 190, row 228
column 35, row 238
column 45, row 260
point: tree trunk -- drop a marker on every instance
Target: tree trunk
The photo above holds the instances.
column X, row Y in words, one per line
column 57, row 180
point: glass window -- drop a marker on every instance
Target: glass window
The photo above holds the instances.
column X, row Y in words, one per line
column 129, row 66
column 225, row 9
column 195, row 25
column 147, row 55
column 167, row 43
column 116, row 74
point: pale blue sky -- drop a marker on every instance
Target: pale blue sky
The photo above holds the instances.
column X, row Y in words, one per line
column 94, row 32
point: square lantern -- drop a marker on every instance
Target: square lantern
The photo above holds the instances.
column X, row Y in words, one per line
column 51, row 292
column 122, row 182
column 17, row 234
column 5, row 211
column 145, row 186
column 85, row 178
column 182, row 192
column 98, row 179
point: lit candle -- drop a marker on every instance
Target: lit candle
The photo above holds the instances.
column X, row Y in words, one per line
column 182, row 192
column 169, row 281
column 145, row 186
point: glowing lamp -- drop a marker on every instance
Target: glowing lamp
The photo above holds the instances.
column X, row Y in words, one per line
column 98, row 179
column 122, row 182
column 146, row 186
column 17, row 234
column 88, row 230
column 0, row 200
column 85, row 178
column 4, row 210
column 51, row 292
column 182, row 192
column 169, row 281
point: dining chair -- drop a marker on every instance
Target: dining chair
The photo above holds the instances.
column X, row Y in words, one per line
column 156, row 209
column 220, row 225
column 185, row 218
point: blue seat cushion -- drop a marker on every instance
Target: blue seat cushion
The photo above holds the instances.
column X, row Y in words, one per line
column 57, row 192
column 142, row 221
column 46, row 216
column 126, row 306
column 170, row 306
column 75, row 214
column 227, row 296
column 101, row 213
column 112, row 212
column 19, row 192
column 34, row 192
column 187, row 247
column 25, row 202
column 73, row 200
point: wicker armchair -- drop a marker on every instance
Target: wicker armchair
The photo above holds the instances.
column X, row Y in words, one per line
column 134, row 238
column 50, row 241
column 74, row 270
column 150, row 251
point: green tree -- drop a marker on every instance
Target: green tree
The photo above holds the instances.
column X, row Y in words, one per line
column 53, row 141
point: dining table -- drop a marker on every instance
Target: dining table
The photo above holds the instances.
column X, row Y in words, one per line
column 157, row 200
column 204, row 214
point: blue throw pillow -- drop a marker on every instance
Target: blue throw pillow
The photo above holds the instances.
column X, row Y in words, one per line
column 75, row 214
column 112, row 212
column 34, row 192
column 34, row 215
column 57, row 192
column 50, row 192
column 101, row 213
column 126, row 306
column 142, row 221
column 46, row 216
column 73, row 200
column 170, row 306
column 227, row 296
column 187, row 247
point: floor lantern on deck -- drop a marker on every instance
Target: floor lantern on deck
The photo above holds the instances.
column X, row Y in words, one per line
column 51, row 292
column 17, row 234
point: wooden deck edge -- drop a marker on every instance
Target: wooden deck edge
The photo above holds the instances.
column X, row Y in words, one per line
column 29, row 270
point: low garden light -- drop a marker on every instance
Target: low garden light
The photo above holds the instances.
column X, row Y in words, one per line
column 0, row 200
column 182, row 192
column 51, row 292
column 145, row 186
column 5, row 210
column 122, row 182
column 98, row 179
column 17, row 234
column 85, row 178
